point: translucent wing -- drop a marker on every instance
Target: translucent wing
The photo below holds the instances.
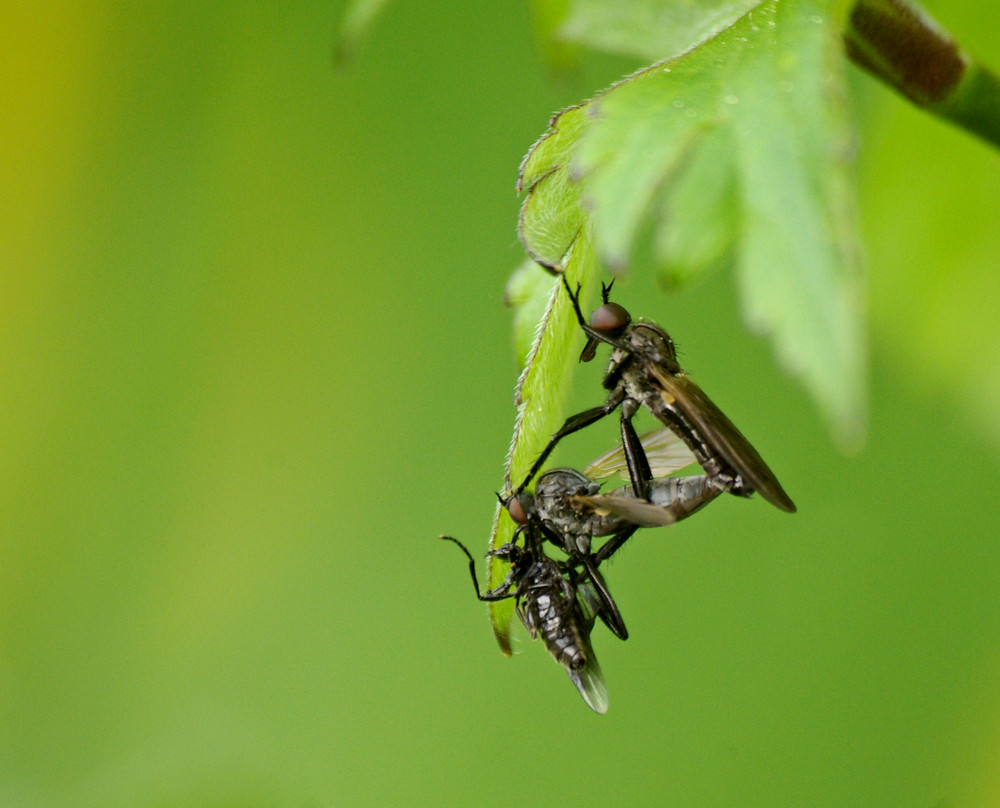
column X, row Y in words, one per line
column 665, row 452
column 589, row 602
column 633, row 511
column 589, row 680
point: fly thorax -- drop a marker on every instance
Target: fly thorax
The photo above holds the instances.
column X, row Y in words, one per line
column 638, row 386
column 654, row 345
column 557, row 484
column 621, row 360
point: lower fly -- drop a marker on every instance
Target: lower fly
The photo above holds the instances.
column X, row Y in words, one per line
column 556, row 603
column 571, row 512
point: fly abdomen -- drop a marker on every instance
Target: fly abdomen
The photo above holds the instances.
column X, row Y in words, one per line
column 559, row 633
column 669, row 415
column 551, row 614
column 555, row 603
column 683, row 495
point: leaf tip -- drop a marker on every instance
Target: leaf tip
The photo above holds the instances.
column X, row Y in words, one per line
column 502, row 637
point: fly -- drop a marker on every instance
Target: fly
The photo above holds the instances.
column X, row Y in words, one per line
column 554, row 603
column 569, row 502
column 571, row 511
column 643, row 371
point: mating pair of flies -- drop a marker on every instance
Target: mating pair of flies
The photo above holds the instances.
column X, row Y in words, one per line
column 560, row 600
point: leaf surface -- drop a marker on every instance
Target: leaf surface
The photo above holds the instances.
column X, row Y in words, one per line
column 541, row 392
column 735, row 152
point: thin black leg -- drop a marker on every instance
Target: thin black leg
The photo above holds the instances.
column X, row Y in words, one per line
column 612, row 545
column 575, row 300
column 573, row 424
column 609, row 614
column 502, row 592
column 635, row 456
column 590, row 332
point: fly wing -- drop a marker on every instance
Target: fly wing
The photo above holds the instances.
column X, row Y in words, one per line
column 589, row 680
column 589, row 601
column 633, row 511
column 665, row 452
column 721, row 435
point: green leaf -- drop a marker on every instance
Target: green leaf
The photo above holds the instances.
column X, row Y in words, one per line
column 699, row 219
column 755, row 117
column 540, row 396
column 800, row 269
column 528, row 293
column 650, row 29
column 552, row 215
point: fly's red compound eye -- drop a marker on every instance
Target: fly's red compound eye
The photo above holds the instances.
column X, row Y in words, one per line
column 516, row 511
column 610, row 318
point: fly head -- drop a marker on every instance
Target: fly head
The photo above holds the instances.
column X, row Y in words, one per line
column 609, row 320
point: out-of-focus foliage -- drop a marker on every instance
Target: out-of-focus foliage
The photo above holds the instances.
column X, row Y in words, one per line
column 650, row 29
column 358, row 18
column 254, row 360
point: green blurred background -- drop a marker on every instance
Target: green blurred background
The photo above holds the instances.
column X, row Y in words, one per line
column 253, row 360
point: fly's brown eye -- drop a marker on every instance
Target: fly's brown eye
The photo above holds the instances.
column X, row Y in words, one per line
column 610, row 318
column 516, row 511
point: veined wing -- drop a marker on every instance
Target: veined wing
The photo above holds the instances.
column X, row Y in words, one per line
column 589, row 679
column 665, row 452
column 634, row 511
column 721, row 435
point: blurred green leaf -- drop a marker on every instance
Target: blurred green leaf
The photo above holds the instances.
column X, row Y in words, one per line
column 650, row 29
column 897, row 42
column 541, row 393
column 358, row 18
column 547, row 17
column 763, row 99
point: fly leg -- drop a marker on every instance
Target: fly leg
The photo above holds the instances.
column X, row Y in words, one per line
column 609, row 614
column 575, row 300
column 573, row 424
column 594, row 336
column 635, row 456
column 641, row 476
column 612, row 545
column 502, row 592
